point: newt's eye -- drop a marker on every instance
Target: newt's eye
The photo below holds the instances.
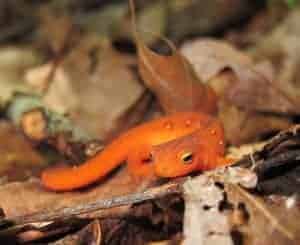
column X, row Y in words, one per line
column 187, row 157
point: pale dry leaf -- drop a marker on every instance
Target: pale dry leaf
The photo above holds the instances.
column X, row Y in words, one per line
column 204, row 223
column 96, row 88
column 281, row 46
column 274, row 223
column 14, row 62
column 245, row 149
column 209, row 57
column 248, row 85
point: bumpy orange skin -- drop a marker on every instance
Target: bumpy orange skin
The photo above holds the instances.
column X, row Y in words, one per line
column 201, row 150
column 163, row 140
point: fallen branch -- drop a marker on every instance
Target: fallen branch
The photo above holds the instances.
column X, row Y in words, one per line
column 69, row 212
column 288, row 157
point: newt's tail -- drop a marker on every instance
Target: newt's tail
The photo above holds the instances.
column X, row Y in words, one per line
column 96, row 168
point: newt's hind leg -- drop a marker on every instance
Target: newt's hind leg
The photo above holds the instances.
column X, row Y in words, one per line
column 140, row 162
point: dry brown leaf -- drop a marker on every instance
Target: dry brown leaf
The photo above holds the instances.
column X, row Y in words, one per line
column 58, row 40
column 172, row 79
column 242, row 126
column 32, row 197
column 209, row 57
column 281, row 46
column 18, row 158
column 244, row 90
column 90, row 234
column 108, row 87
column 250, row 87
column 174, row 84
column 271, row 212
column 267, row 222
column 256, row 92
column 100, row 88
column 149, row 221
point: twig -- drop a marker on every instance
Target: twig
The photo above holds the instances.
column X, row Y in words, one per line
column 69, row 212
column 266, row 153
column 290, row 133
column 277, row 161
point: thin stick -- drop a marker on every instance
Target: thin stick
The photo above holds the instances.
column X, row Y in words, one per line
column 292, row 156
column 69, row 212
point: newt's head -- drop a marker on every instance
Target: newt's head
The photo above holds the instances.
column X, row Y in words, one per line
column 200, row 150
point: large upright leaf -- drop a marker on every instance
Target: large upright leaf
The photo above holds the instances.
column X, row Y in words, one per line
column 172, row 79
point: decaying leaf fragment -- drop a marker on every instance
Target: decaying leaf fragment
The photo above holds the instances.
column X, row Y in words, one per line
column 248, row 85
column 90, row 234
column 272, row 211
column 265, row 222
column 172, row 79
column 14, row 61
column 204, row 223
column 18, row 157
column 242, row 126
column 245, row 90
column 281, row 46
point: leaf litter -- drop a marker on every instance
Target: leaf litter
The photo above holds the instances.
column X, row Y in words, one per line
column 251, row 103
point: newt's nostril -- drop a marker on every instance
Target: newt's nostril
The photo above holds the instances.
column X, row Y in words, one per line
column 148, row 159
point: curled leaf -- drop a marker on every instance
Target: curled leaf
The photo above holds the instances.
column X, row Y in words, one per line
column 172, row 79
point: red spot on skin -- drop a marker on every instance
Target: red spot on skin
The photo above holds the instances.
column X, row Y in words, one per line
column 188, row 123
column 213, row 132
column 168, row 125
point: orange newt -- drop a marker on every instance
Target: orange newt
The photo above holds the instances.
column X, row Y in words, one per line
column 176, row 145
column 199, row 151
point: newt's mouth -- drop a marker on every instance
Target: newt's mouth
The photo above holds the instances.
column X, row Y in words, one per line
column 167, row 170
